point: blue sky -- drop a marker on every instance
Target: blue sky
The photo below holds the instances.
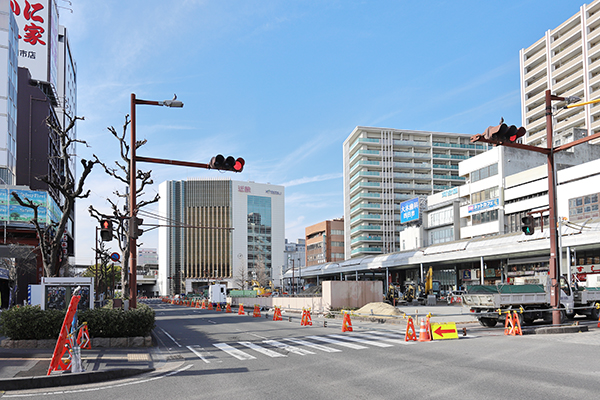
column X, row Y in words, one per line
column 283, row 83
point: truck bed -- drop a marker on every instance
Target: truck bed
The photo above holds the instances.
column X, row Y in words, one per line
column 498, row 296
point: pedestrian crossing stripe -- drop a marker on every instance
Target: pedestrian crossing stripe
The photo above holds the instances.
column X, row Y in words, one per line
column 356, row 341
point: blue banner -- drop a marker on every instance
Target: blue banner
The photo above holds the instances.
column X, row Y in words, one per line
column 409, row 210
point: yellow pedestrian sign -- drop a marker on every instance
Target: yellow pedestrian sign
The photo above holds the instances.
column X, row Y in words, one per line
column 445, row 330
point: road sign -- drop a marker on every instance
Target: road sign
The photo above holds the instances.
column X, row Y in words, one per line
column 115, row 257
column 445, row 330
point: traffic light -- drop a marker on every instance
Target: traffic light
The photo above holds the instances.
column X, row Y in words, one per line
column 106, row 230
column 527, row 225
column 501, row 133
column 134, row 226
column 226, row 164
column 504, row 133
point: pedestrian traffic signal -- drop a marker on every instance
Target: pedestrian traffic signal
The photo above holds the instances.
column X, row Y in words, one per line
column 527, row 225
column 226, row 164
column 106, row 230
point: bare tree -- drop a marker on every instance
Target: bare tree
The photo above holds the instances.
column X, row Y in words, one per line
column 50, row 235
column 121, row 214
column 241, row 278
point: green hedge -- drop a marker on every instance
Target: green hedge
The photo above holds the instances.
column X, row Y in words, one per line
column 30, row 322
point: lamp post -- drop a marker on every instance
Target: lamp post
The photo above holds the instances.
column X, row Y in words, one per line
column 132, row 191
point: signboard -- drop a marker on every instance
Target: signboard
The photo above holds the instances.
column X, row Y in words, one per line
column 115, row 257
column 38, row 37
column 409, row 210
column 484, row 205
column 15, row 214
column 446, row 330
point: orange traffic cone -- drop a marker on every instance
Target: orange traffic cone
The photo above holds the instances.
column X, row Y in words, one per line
column 411, row 334
column 228, row 308
column 424, row 332
column 256, row 313
column 198, row 304
column 203, row 305
column 346, row 323
column 241, row 310
column 218, row 307
column 210, row 306
column 277, row 314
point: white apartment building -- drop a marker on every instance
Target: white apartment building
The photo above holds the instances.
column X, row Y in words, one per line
column 384, row 167
column 9, row 48
column 229, row 232
column 566, row 60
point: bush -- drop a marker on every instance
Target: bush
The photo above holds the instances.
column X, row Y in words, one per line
column 30, row 322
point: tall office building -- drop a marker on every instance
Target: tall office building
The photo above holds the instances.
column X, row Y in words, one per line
column 384, row 167
column 229, row 231
column 566, row 60
column 9, row 48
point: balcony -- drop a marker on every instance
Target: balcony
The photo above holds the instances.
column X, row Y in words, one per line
column 366, row 250
column 451, row 156
column 367, row 227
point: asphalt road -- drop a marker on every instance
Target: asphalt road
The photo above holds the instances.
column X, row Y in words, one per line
column 227, row 356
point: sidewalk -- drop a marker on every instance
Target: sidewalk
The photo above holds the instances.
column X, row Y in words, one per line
column 28, row 368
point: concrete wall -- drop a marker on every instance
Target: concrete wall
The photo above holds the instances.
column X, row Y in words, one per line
column 336, row 294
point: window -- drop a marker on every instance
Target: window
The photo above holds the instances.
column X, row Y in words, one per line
column 484, row 195
column 484, row 172
column 485, row 217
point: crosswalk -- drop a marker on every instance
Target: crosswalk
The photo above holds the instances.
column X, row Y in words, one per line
column 301, row 346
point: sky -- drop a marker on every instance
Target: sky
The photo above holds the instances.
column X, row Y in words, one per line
column 283, row 84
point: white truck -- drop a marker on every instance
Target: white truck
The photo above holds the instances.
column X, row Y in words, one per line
column 217, row 293
column 486, row 301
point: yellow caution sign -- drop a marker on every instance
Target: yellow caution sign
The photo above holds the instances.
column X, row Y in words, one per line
column 445, row 330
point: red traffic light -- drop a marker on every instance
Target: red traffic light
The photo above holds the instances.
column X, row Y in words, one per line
column 106, row 230
column 105, row 224
column 238, row 166
column 226, row 164
column 501, row 133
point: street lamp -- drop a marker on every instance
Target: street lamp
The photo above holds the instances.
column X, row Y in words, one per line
column 132, row 190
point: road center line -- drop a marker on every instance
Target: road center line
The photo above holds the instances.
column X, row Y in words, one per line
column 170, row 337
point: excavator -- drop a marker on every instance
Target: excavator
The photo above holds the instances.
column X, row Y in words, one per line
column 260, row 290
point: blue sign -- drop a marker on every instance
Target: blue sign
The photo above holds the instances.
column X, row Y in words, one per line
column 409, row 210
column 115, row 257
column 484, row 205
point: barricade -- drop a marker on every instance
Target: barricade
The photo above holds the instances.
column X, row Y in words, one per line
column 241, row 309
column 256, row 313
column 228, row 308
column 346, row 322
column 83, row 337
column 306, row 319
column 512, row 324
column 411, row 334
column 277, row 314
column 210, row 306
column 218, row 307
column 203, row 305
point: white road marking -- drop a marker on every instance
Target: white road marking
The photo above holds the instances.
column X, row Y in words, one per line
column 262, row 350
column 387, row 339
column 198, row 354
column 365, row 341
column 170, row 337
column 287, row 347
column 337, row 342
column 314, row 345
column 232, row 351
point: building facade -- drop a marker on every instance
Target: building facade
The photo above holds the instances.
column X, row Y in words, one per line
column 325, row 242
column 566, row 60
column 228, row 231
column 384, row 167
column 9, row 48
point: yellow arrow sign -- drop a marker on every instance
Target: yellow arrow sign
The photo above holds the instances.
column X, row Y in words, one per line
column 445, row 330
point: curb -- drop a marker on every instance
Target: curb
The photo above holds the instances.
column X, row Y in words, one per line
column 66, row 379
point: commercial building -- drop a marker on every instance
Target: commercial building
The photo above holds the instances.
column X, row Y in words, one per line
column 384, row 167
column 295, row 257
column 228, row 231
column 325, row 242
column 566, row 60
column 497, row 251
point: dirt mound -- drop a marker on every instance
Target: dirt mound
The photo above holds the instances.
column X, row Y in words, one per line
column 378, row 309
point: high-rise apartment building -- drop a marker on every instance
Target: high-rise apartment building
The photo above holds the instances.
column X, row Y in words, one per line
column 325, row 242
column 8, row 94
column 566, row 60
column 384, row 167
column 229, row 231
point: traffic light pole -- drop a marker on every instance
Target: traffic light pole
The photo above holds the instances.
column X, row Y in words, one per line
column 553, row 272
